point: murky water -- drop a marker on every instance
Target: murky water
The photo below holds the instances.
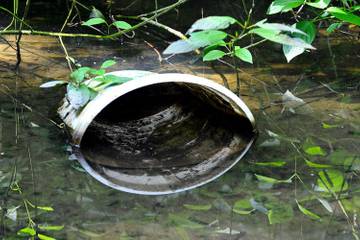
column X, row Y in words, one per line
column 294, row 139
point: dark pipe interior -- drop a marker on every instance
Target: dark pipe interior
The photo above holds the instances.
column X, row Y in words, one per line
column 164, row 126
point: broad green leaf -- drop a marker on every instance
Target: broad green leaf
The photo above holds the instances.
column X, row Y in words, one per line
column 180, row 46
column 315, row 151
column 108, row 63
column 94, row 21
column 97, row 72
column 51, row 227
column 331, row 181
column 322, row 4
column 78, row 97
column 51, row 84
column 308, row 28
column 183, row 221
column 333, row 27
column 79, row 74
column 291, row 52
column 308, row 212
column 283, row 6
column 271, row 164
column 213, row 55
column 206, row 38
column 280, row 27
column 122, row 25
column 212, row 23
column 276, row 36
column 243, row 54
column 44, row 237
column 198, row 207
column 28, row 231
column 317, row 165
column 243, row 207
column 344, row 15
column 44, row 208
column 95, row 13
column 271, row 180
column 214, row 46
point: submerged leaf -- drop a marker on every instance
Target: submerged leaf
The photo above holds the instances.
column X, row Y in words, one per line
column 271, row 164
column 212, row 23
column 308, row 212
column 45, row 208
column 183, row 221
column 315, row 151
column 243, row 207
column 44, row 237
column 280, row 213
column 331, row 181
column 272, row 180
column 317, row 165
column 95, row 13
column 198, row 207
column 326, row 205
column 51, row 227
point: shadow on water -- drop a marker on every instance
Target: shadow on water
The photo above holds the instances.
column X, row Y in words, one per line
column 306, row 158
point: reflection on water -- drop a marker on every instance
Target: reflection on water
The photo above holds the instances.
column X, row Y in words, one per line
column 239, row 205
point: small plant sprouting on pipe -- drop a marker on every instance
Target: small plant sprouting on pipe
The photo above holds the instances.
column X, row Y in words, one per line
column 86, row 82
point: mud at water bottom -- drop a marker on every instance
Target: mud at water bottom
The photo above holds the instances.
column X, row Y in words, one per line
column 167, row 131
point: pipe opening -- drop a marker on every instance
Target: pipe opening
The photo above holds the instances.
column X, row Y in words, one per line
column 165, row 137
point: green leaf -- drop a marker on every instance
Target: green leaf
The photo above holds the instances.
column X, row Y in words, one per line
column 44, row 237
column 271, row 180
column 317, row 165
column 47, row 209
column 214, row 47
column 344, row 15
column 78, row 97
column 243, row 54
column 206, row 38
column 28, row 231
column 243, row 207
column 308, row 212
column 94, row 21
column 283, row 6
column 322, row 4
column 97, row 72
column 306, row 27
column 183, row 221
column 122, row 25
column 51, row 227
column 212, row 23
column 280, row 27
column 180, row 46
column 328, row 126
column 51, row 84
column 276, row 36
column 333, row 27
column 331, row 181
column 198, row 207
column 95, row 13
column 315, row 151
column 279, row 213
column 271, row 164
column 108, row 63
column 79, row 74
column 213, row 55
